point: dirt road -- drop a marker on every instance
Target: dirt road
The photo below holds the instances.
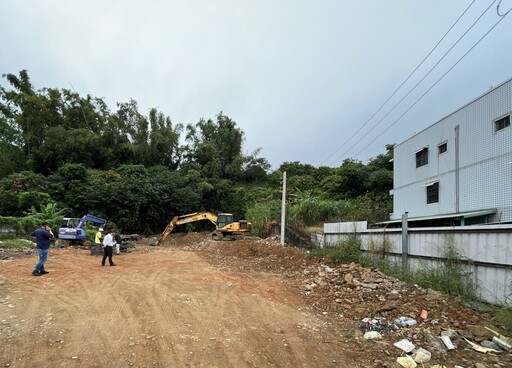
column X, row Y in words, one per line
column 162, row 307
column 197, row 303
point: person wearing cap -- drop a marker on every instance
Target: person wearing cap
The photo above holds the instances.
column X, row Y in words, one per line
column 99, row 236
column 108, row 244
column 43, row 237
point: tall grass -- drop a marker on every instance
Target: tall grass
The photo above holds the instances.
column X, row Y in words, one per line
column 502, row 317
column 312, row 210
column 450, row 276
column 346, row 251
column 16, row 243
column 262, row 213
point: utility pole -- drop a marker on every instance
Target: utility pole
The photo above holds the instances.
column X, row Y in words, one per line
column 283, row 208
column 405, row 240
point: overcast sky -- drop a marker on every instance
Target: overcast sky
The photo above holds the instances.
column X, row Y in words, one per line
column 299, row 77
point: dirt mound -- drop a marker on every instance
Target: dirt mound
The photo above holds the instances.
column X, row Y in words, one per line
column 349, row 293
column 250, row 302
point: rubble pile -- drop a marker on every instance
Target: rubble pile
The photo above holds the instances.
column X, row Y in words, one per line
column 408, row 323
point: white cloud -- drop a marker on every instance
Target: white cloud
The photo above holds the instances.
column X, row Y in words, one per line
column 299, row 77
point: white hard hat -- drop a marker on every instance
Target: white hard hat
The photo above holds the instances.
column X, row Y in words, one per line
column 100, row 229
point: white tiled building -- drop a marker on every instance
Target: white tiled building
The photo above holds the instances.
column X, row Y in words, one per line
column 459, row 170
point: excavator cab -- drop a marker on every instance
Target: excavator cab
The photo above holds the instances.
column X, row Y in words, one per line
column 224, row 219
column 70, row 222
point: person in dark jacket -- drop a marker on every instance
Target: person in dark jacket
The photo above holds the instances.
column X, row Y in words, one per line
column 119, row 240
column 43, row 237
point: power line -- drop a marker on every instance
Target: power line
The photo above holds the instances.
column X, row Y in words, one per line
column 400, row 86
column 80, row 103
column 393, row 94
column 498, row 10
column 428, row 90
column 417, row 84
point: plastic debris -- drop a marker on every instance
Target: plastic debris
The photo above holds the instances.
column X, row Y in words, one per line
column 406, row 362
column 491, row 345
column 405, row 321
column 405, row 345
column 502, row 343
column 500, row 336
column 372, row 335
column 424, row 314
column 480, row 348
column 421, row 355
column 378, row 324
column 433, row 341
column 447, row 342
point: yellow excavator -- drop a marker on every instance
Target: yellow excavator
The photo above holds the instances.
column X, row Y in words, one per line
column 225, row 227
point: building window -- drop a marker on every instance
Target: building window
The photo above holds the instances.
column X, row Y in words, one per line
column 433, row 193
column 422, row 157
column 442, row 148
column 502, row 123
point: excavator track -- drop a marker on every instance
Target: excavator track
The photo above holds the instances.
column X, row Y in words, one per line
column 218, row 236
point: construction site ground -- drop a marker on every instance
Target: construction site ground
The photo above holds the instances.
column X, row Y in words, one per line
column 194, row 302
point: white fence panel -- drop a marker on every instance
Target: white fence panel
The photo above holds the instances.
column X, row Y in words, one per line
column 486, row 249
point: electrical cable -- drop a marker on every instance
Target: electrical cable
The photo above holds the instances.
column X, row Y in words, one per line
column 417, row 84
column 428, row 90
column 498, row 10
column 80, row 103
column 400, row 86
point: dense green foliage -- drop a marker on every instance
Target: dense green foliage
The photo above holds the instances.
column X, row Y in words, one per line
column 63, row 154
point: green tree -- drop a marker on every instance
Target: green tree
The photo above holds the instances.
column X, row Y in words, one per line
column 216, row 147
column 296, row 168
column 67, row 146
column 27, row 111
column 23, row 182
column 352, row 178
column 380, row 179
column 384, row 160
column 255, row 168
column 163, row 141
column 137, row 126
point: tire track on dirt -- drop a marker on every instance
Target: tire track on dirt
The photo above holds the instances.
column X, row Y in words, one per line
column 160, row 307
column 172, row 306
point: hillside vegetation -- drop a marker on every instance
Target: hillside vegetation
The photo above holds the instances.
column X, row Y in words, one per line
column 76, row 155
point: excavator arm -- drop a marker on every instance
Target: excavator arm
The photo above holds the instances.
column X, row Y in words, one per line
column 185, row 219
column 93, row 219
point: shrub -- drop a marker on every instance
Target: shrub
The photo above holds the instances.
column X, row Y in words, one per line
column 346, row 251
column 16, row 243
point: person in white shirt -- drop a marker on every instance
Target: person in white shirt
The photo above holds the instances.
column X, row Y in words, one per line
column 108, row 244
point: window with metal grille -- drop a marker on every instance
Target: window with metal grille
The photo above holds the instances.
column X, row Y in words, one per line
column 422, row 157
column 442, row 148
column 502, row 123
column 433, row 193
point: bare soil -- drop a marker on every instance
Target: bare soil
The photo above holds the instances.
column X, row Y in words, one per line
column 193, row 302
